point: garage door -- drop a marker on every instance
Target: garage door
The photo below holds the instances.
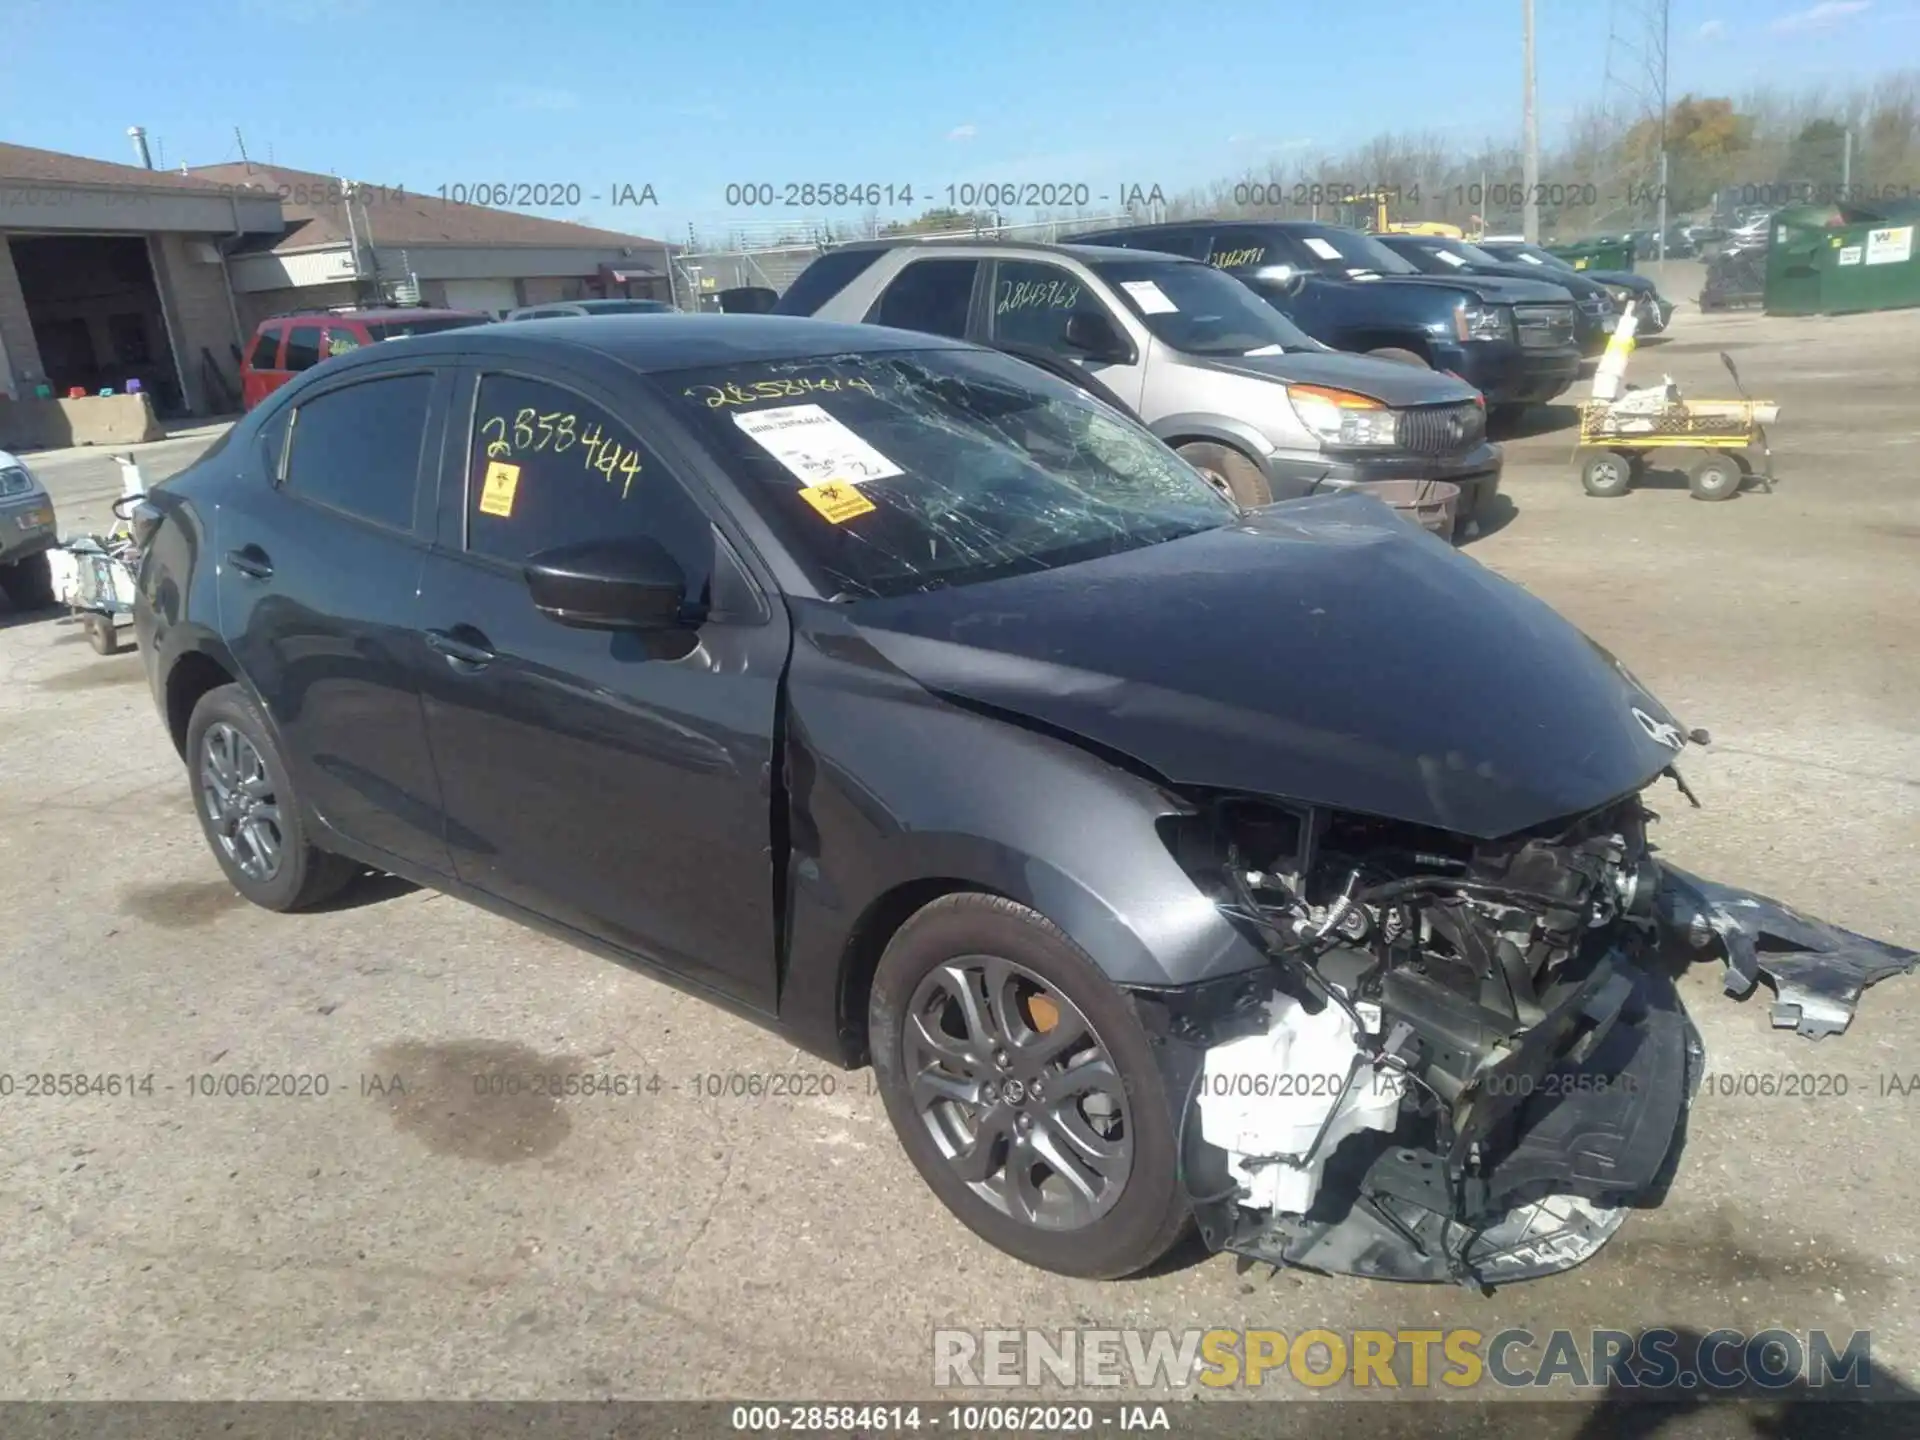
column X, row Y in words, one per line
column 488, row 295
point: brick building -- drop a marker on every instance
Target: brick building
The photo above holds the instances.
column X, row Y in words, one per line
column 111, row 273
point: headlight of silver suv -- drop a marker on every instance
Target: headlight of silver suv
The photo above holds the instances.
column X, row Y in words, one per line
column 1341, row 417
column 1483, row 322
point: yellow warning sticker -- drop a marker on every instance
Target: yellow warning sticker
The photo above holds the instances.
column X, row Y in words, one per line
column 496, row 492
column 838, row 500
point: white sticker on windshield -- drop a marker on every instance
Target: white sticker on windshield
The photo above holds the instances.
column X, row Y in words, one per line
column 1269, row 350
column 1531, row 259
column 1151, row 299
column 1321, row 247
column 1447, row 257
column 815, row 446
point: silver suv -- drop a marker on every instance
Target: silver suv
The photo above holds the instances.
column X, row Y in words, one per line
column 1256, row 404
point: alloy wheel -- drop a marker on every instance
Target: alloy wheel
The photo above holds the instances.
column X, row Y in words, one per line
column 1018, row 1092
column 237, row 798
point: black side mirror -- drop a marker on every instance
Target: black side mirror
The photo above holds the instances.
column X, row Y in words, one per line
column 1095, row 336
column 630, row 584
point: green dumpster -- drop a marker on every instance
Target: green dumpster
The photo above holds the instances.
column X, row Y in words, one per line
column 1840, row 260
column 1605, row 252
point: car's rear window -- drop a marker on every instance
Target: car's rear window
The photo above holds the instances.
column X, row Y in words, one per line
column 400, row 329
column 825, row 278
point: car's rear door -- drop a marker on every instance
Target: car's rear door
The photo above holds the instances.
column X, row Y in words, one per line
column 262, row 375
column 319, row 575
column 618, row 783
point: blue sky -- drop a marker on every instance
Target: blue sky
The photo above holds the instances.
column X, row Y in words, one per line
column 425, row 93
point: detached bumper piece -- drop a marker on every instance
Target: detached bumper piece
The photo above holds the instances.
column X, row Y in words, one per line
column 1817, row 970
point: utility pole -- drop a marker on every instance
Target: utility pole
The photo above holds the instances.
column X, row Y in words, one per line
column 1660, row 232
column 1846, row 165
column 1530, row 137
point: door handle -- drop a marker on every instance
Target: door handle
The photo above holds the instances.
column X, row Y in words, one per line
column 461, row 654
column 251, row 560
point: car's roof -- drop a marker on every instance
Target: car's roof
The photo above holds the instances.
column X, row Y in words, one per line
column 1086, row 254
column 653, row 342
column 377, row 316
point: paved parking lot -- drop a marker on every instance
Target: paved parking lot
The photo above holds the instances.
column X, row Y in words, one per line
column 416, row 1240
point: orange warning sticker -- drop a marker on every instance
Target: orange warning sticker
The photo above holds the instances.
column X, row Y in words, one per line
column 838, row 500
column 496, row 491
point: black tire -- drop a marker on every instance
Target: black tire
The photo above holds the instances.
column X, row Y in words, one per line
column 1404, row 357
column 1231, row 473
column 1606, row 474
column 1150, row 1213
column 1716, row 477
column 102, row 634
column 28, row 583
column 305, row 875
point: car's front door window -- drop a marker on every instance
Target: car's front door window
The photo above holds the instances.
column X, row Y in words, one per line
column 547, row 467
column 1033, row 302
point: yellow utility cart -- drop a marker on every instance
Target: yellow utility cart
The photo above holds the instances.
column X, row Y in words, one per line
column 1617, row 436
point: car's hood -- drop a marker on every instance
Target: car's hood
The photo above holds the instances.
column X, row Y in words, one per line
column 1388, row 381
column 1494, row 289
column 1323, row 650
column 1576, row 284
column 1626, row 279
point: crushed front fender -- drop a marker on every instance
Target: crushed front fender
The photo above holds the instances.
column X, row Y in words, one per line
column 1817, row 970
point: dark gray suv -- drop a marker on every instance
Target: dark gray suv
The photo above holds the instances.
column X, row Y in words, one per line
column 1249, row 399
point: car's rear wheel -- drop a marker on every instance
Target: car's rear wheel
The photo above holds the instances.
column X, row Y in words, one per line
column 1229, row 472
column 28, row 583
column 1023, row 1088
column 249, row 809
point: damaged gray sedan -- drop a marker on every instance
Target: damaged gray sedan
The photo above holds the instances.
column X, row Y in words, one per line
column 1283, row 872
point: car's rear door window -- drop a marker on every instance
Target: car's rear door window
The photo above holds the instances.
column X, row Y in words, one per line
column 933, row 296
column 341, row 339
column 303, row 348
column 266, row 350
column 356, row 449
column 825, row 278
column 548, row 467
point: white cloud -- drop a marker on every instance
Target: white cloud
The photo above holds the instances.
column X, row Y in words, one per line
column 536, row 97
column 1712, row 30
column 1820, row 17
column 963, row 132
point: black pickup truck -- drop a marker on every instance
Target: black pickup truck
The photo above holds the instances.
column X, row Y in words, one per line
column 1652, row 309
column 1596, row 310
column 1513, row 340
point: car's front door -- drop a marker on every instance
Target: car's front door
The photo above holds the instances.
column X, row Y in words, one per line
column 319, row 575
column 1031, row 305
column 619, row 782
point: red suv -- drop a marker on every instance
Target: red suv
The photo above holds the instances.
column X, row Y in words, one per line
column 287, row 344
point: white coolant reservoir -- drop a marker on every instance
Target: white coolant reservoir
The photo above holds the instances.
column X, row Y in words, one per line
column 1268, row 1096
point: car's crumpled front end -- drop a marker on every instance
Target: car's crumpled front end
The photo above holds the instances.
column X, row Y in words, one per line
column 1423, row 797
column 1469, row 1061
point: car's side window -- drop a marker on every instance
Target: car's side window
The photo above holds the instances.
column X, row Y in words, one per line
column 273, row 443
column 1032, row 303
column 341, row 339
column 1191, row 244
column 547, row 467
column 932, row 295
column 357, row 449
column 303, row 347
column 266, row 346
column 1241, row 250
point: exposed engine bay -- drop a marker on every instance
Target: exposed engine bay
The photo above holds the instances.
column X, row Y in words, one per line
column 1468, row 1060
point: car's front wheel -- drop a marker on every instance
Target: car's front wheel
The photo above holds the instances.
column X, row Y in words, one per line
column 28, row 583
column 1024, row 1090
column 249, row 810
